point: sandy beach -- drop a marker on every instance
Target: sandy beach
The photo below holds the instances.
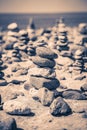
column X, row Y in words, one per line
column 43, row 77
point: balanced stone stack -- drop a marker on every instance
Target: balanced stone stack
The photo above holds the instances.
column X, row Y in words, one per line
column 12, row 35
column 31, row 30
column 2, row 80
column 23, row 40
column 16, row 57
column 43, row 75
column 82, row 28
column 62, row 44
column 78, row 65
column 20, row 47
column 1, row 38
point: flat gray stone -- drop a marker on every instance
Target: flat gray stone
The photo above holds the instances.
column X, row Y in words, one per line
column 42, row 72
column 59, row 107
column 17, row 107
column 45, row 52
column 77, row 106
column 39, row 82
column 8, row 124
column 45, row 96
column 73, row 94
column 43, row 62
column 3, row 82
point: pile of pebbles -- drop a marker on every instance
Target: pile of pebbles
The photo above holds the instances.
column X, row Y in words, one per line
column 44, row 61
column 2, row 80
column 42, row 85
column 78, row 64
column 62, row 44
column 12, row 35
column 22, row 41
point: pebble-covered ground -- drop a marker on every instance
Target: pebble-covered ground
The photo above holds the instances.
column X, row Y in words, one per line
column 43, row 78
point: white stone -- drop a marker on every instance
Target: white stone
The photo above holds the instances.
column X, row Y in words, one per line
column 16, row 107
column 12, row 26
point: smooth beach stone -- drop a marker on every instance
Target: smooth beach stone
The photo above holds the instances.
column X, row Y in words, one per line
column 77, row 106
column 1, row 62
column 9, row 46
column 84, row 87
column 78, row 63
column 39, row 82
column 64, row 61
column 22, row 71
column 11, row 39
column 23, row 38
column 23, row 33
column 42, row 72
column 1, row 75
column 33, row 93
column 15, row 46
column 62, row 43
column 16, row 107
column 45, row 52
column 11, row 94
column 65, row 53
column 45, row 96
column 8, row 124
column 3, row 82
column 32, row 36
column 12, row 26
column 82, row 28
column 13, row 34
column 79, row 52
column 73, row 94
column 43, row 62
column 62, row 29
column 30, row 51
column 59, row 107
column 0, row 99
column 22, row 47
column 78, row 57
column 60, row 37
column 15, row 68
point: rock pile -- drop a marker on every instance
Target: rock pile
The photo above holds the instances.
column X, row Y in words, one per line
column 12, row 35
column 78, row 65
column 16, row 57
column 43, row 76
column 22, row 41
column 62, row 44
column 31, row 30
column 21, row 46
column 2, row 80
column 36, row 76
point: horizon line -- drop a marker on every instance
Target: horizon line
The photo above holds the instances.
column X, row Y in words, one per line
column 43, row 12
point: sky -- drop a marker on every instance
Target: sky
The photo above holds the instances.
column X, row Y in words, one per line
column 42, row 6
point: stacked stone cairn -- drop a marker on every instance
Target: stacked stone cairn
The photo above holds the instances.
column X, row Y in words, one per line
column 2, row 80
column 44, row 84
column 45, row 76
column 21, row 45
column 62, row 44
column 12, row 35
column 78, row 64
column 16, row 57
column 31, row 30
column 1, row 38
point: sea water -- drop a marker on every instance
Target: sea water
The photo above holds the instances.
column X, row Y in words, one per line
column 42, row 20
